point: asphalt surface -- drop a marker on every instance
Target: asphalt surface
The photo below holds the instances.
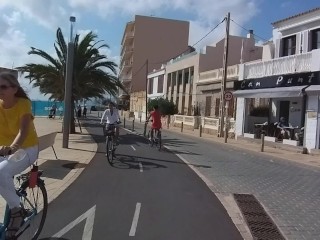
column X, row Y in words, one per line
column 145, row 195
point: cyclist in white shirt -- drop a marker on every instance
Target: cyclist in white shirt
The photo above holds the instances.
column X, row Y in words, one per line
column 111, row 117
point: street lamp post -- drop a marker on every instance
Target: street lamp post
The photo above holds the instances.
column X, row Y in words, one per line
column 68, row 88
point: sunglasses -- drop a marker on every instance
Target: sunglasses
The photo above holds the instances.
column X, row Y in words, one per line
column 4, row 87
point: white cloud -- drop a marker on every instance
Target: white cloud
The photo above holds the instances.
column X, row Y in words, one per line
column 206, row 13
column 49, row 14
column 46, row 13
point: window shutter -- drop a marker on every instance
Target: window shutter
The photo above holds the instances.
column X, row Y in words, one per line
column 298, row 43
column 277, row 49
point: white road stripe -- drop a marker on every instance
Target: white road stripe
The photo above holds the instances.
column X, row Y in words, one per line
column 87, row 232
column 133, row 148
column 206, row 180
column 141, row 167
column 134, row 225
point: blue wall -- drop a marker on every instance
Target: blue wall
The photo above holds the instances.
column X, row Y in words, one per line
column 42, row 108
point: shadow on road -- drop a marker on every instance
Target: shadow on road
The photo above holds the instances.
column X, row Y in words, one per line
column 125, row 158
column 53, row 238
column 131, row 162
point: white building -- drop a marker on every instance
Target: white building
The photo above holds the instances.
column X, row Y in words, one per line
column 157, row 83
column 289, row 76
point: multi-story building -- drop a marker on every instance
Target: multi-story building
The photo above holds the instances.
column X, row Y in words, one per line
column 156, row 83
column 14, row 72
column 194, row 80
column 289, row 76
column 151, row 39
column 208, row 86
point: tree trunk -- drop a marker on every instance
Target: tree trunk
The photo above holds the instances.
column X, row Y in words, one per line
column 72, row 119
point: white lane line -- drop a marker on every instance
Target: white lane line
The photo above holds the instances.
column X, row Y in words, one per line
column 133, row 148
column 206, row 180
column 141, row 167
column 134, row 225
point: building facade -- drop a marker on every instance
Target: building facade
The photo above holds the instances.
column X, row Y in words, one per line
column 208, row 86
column 157, row 84
column 151, row 39
column 289, row 77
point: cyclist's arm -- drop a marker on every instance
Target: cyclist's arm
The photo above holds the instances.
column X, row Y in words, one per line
column 103, row 117
column 118, row 116
column 148, row 117
column 25, row 122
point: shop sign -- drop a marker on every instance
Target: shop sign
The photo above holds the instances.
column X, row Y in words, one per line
column 289, row 80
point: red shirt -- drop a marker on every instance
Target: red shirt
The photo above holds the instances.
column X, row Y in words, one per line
column 156, row 117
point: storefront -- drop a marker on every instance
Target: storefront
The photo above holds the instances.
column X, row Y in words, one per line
column 294, row 97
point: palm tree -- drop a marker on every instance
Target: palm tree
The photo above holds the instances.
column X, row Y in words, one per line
column 94, row 74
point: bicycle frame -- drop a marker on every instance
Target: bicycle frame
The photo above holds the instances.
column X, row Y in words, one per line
column 5, row 223
column 27, row 219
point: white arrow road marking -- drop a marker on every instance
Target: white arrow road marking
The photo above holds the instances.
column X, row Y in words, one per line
column 141, row 167
column 87, row 231
column 133, row 148
column 134, row 225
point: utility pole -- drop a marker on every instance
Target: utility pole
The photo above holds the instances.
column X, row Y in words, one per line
column 224, row 79
column 145, row 125
column 68, row 88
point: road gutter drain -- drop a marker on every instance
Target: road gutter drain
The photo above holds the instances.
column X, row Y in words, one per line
column 260, row 224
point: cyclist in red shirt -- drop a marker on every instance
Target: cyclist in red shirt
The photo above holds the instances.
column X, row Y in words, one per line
column 156, row 120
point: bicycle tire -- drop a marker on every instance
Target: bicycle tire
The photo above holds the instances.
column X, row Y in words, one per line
column 28, row 232
column 159, row 141
column 109, row 147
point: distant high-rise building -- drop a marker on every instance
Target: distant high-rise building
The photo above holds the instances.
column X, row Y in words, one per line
column 148, row 38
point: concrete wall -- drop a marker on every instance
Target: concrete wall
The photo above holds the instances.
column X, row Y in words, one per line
column 157, row 40
column 312, row 118
column 213, row 59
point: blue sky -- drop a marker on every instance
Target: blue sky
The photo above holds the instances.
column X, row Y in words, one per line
column 26, row 23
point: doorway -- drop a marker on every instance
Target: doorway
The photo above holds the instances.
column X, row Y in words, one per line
column 208, row 107
column 284, row 110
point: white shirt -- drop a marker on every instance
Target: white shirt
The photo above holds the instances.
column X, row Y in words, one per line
column 108, row 118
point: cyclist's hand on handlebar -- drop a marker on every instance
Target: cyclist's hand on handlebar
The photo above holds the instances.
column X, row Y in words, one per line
column 5, row 150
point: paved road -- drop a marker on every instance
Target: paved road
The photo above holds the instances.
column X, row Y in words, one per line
column 147, row 195
column 289, row 191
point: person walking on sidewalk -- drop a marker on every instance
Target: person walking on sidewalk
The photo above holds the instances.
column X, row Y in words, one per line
column 111, row 117
column 17, row 131
column 156, row 120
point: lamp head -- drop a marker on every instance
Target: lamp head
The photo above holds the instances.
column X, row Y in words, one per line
column 72, row 19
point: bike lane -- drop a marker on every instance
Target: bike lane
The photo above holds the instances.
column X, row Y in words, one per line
column 147, row 194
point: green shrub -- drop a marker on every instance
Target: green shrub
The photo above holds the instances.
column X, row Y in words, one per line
column 165, row 106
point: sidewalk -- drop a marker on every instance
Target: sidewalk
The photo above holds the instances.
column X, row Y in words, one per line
column 59, row 174
column 289, row 153
column 287, row 188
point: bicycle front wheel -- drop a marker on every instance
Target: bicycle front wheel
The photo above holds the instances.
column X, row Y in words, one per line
column 159, row 141
column 34, row 202
column 110, row 150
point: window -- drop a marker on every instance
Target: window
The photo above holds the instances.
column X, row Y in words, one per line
column 315, row 39
column 289, row 46
column 231, row 108
column 186, row 76
column 160, row 84
column 150, row 89
column 208, row 106
column 217, row 107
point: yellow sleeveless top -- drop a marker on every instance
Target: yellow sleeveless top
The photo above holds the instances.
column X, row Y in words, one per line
column 10, row 123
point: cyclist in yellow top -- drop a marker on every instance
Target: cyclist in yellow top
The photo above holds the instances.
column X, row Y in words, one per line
column 17, row 131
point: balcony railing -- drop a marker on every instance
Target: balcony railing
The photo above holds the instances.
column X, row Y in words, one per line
column 126, row 78
column 182, row 57
column 217, row 74
column 125, row 65
column 126, row 49
column 278, row 66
